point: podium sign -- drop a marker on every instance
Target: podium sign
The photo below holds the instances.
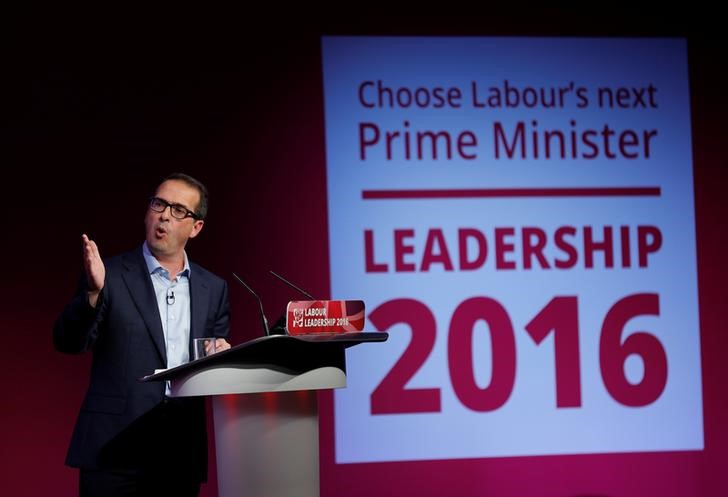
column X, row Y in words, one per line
column 324, row 316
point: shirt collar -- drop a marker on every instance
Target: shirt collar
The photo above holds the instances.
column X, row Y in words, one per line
column 153, row 265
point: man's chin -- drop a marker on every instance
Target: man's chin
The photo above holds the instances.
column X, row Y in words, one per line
column 157, row 246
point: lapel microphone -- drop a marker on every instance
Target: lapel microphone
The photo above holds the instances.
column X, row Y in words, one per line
column 170, row 297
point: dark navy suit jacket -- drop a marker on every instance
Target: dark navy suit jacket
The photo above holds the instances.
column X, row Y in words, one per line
column 123, row 423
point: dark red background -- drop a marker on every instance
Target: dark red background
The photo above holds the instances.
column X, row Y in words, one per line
column 98, row 116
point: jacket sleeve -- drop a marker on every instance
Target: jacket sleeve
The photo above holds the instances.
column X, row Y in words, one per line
column 222, row 316
column 77, row 327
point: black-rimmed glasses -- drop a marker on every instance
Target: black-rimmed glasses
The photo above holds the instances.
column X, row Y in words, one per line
column 178, row 211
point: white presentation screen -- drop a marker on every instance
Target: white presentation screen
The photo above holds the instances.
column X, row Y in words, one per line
column 518, row 215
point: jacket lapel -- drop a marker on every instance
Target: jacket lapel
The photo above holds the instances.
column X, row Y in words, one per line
column 136, row 277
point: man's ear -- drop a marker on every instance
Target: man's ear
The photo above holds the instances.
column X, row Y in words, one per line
column 196, row 228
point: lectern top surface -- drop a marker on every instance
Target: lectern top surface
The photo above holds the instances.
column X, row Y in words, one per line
column 284, row 351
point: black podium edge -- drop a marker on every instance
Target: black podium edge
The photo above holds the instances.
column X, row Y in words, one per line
column 304, row 352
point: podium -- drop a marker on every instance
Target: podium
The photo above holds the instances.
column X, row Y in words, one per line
column 265, row 409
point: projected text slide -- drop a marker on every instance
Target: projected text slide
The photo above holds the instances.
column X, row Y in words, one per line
column 518, row 215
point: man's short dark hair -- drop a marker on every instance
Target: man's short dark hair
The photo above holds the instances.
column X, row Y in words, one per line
column 201, row 210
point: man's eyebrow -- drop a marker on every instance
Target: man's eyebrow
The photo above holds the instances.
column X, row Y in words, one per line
column 175, row 204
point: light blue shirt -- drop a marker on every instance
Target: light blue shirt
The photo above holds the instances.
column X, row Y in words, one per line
column 173, row 301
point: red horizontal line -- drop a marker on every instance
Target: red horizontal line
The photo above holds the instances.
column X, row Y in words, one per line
column 640, row 191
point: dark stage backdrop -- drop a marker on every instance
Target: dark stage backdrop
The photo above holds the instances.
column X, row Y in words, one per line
column 95, row 125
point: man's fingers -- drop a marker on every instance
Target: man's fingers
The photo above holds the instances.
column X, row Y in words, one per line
column 94, row 266
column 219, row 345
column 94, row 249
column 90, row 249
